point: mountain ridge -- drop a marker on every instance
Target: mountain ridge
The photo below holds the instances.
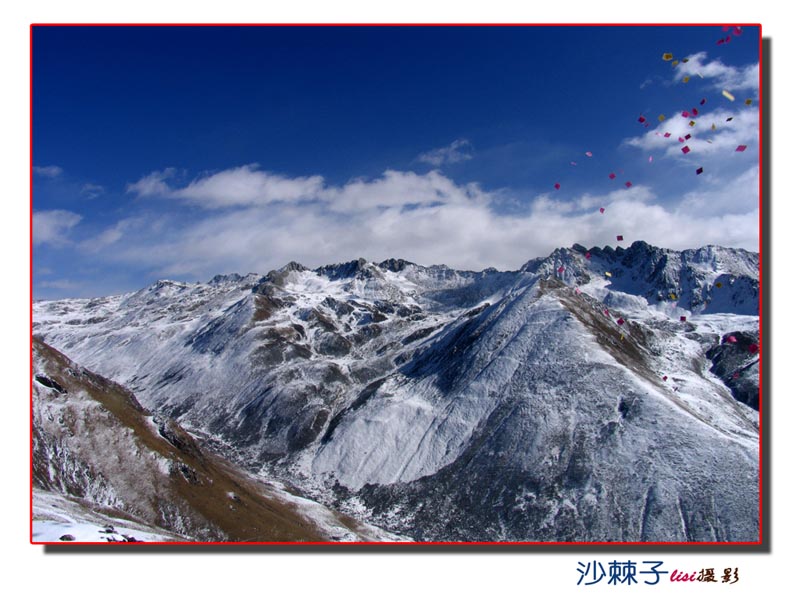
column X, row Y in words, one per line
column 369, row 385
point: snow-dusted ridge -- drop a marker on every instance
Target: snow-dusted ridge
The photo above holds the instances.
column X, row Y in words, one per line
column 446, row 404
column 107, row 471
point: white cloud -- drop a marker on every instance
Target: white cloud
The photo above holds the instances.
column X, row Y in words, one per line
column 106, row 238
column 725, row 136
column 49, row 171
column 153, row 184
column 114, row 234
column 398, row 189
column 52, row 226
column 247, row 186
column 717, row 73
column 736, row 196
column 236, row 187
column 456, row 151
column 92, row 190
column 453, row 224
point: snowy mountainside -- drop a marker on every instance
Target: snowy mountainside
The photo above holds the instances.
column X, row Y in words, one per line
column 60, row 518
column 99, row 458
column 710, row 279
column 574, row 399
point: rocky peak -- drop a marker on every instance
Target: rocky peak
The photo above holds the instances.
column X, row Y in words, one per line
column 355, row 268
column 395, row 264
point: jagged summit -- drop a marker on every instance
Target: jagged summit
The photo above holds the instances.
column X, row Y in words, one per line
column 232, row 278
column 360, row 268
column 396, row 264
column 710, row 279
column 292, row 266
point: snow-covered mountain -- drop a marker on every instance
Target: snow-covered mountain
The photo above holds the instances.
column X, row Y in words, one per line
column 105, row 469
column 591, row 395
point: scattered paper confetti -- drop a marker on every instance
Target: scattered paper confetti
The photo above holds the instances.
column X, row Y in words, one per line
column 612, row 176
column 713, row 127
column 718, row 284
column 667, row 134
column 557, row 186
column 577, row 290
column 589, row 154
column 728, row 95
column 661, row 117
column 561, row 269
column 683, row 318
column 685, row 114
column 752, row 348
column 729, row 119
column 732, row 339
column 681, row 139
column 588, row 255
column 666, row 56
column 748, row 102
column 650, row 159
column 700, row 170
column 684, row 60
column 737, row 31
column 736, row 375
column 628, row 184
column 688, row 136
column 703, row 101
column 686, row 149
column 602, row 210
column 674, row 63
column 665, row 378
column 741, row 148
column 619, row 238
column 573, row 163
column 605, row 311
column 695, row 112
column 641, row 119
column 620, row 321
column 673, row 297
column 692, row 123
column 685, row 79
column 608, row 274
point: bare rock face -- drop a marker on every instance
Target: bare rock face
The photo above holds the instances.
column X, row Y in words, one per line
column 735, row 360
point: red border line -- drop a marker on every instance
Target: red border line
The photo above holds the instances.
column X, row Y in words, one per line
column 419, row 543
column 760, row 283
column 30, row 287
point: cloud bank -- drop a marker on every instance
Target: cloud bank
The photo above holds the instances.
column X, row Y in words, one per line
column 253, row 220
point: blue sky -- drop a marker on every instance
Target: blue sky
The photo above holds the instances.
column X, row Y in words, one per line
column 185, row 152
